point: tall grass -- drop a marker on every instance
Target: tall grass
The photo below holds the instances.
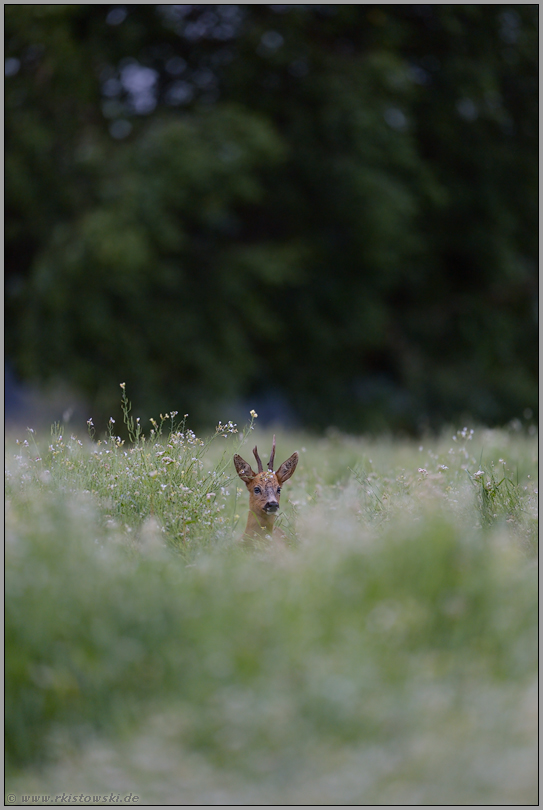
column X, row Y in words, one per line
column 390, row 647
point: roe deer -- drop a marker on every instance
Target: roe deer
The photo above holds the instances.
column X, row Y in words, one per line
column 264, row 493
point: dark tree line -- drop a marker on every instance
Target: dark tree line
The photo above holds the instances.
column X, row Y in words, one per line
column 334, row 205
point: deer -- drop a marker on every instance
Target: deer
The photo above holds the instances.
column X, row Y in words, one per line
column 264, row 492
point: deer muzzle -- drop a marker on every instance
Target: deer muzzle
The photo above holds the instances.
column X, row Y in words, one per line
column 272, row 507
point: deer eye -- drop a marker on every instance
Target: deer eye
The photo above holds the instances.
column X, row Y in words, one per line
column 278, row 490
column 257, row 490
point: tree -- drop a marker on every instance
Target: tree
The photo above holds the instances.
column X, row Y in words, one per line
column 336, row 202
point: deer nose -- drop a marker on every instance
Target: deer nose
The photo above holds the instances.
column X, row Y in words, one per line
column 271, row 506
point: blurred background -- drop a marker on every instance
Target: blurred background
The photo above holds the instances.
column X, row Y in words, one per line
column 327, row 213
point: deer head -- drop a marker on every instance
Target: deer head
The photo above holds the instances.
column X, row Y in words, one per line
column 264, row 490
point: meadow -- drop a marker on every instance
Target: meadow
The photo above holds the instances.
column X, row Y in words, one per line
column 386, row 655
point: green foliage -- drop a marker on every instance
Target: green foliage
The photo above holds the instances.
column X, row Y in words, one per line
column 496, row 499
column 336, row 203
column 163, row 478
column 397, row 611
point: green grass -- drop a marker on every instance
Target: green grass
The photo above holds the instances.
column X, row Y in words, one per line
column 388, row 655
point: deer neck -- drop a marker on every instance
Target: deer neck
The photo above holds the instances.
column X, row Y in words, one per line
column 259, row 525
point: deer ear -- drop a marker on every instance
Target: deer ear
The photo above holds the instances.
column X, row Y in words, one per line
column 287, row 468
column 243, row 469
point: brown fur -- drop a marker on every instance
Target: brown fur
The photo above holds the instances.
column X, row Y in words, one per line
column 264, row 503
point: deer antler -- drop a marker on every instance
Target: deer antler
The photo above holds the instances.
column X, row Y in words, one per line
column 255, row 453
column 272, row 456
